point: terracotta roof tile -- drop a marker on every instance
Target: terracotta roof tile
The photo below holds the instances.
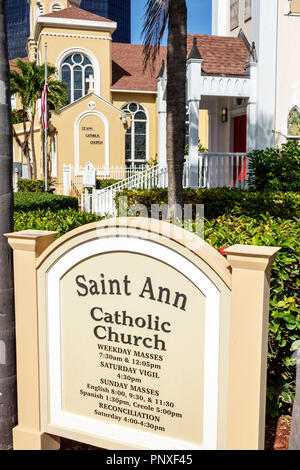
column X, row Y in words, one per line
column 12, row 65
column 127, row 68
column 75, row 13
column 221, row 55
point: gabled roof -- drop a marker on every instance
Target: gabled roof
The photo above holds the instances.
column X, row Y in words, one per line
column 12, row 63
column 221, row 55
column 127, row 68
column 75, row 13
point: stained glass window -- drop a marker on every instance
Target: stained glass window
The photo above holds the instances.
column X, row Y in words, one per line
column 294, row 123
column 76, row 72
column 136, row 136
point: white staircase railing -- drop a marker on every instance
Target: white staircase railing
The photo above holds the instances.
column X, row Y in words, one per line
column 103, row 201
column 215, row 170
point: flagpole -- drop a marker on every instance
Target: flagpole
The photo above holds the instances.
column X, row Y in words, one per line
column 46, row 122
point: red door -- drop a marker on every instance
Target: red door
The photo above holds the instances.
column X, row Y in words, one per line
column 240, row 146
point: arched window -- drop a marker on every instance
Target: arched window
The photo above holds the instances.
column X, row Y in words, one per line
column 78, row 73
column 136, row 136
column 294, row 123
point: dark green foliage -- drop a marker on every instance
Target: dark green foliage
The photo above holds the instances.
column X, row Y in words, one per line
column 276, row 169
column 284, row 328
column 101, row 184
column 17, row 116
column 223, row 201
column 62, row 220
column 25, row 202
column 31, row 186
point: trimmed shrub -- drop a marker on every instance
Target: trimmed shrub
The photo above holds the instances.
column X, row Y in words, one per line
column 27, row 201
column 276, row 169
column 221, row 201
column 284, row 326
column 101, row 184
column 31, row 186
column 62, row 220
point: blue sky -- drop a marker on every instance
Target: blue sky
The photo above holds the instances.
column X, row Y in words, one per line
column 199, row 18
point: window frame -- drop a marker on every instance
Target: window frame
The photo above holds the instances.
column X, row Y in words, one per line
column 131, row 162
column 72, row 72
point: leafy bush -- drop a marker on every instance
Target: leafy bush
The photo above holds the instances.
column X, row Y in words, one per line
column 284, row 326
column 101, row 184
column 221, row 201
column 276, row 169
column 25, row 201
column 31, row 186
column 62, row 221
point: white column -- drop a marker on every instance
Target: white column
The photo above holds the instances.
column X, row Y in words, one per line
column 252, row 108
column 265, row 35
column 162, row 123
column 194, row 97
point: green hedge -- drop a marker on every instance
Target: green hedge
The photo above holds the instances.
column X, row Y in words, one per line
column 101, row 184
column 221, row 201
column 62, row 220
column 31, row 186
column 276, row 169
column 26, row 201
column 284, row 329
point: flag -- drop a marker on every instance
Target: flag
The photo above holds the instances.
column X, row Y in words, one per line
column 43, row 105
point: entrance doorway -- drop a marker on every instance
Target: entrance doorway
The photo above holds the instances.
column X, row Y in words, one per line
column 240, row 146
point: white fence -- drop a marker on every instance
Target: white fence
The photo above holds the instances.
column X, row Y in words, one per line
column 214, row 170
column 73, row 177
column 103, row 201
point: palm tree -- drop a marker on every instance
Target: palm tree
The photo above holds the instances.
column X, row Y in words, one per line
column 28, row 83
column 159, row 14
column 7, row 331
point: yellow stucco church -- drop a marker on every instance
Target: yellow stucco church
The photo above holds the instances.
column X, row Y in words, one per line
column 112, row 118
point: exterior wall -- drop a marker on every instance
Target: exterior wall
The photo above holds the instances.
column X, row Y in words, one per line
column 74, row 144
column 149, row 102
column 203, row 127
column 288, row 68
column 221, row 24
column 96, row 45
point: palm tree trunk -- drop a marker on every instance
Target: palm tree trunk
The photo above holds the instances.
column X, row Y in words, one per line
column 7, row 328
column 176, row 104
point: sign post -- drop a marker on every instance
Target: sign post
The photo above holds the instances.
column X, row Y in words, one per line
column 145, row 338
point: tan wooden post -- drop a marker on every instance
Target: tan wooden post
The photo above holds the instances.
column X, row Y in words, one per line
column 27, row 246
column 251, row 267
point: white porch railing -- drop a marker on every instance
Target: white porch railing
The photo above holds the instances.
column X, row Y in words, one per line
column 215, row 170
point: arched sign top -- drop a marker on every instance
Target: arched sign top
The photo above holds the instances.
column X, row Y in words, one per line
column 148, row 229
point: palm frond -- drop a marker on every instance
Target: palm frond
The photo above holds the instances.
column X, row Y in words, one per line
column 155, row 22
